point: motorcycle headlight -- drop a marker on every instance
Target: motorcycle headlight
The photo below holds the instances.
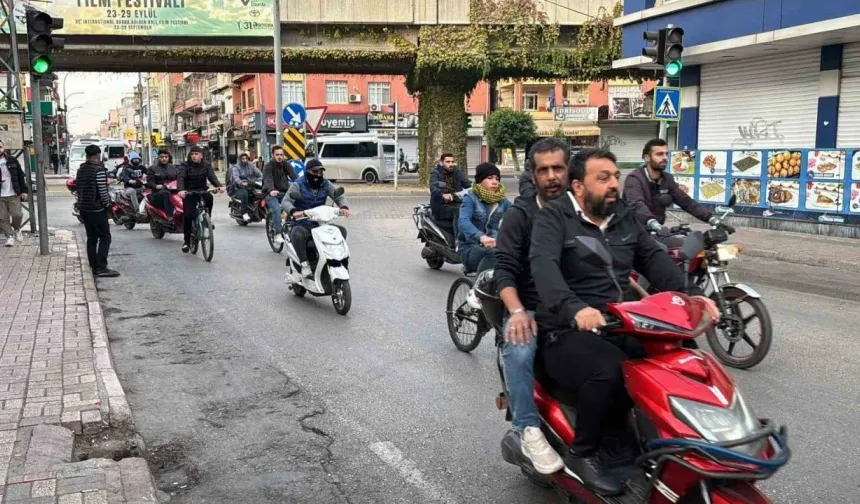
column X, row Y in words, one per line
column 649, row 324
column 728, row 251
column 717, row 424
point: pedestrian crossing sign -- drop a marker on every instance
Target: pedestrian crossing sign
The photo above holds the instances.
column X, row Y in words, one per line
column 667, row 103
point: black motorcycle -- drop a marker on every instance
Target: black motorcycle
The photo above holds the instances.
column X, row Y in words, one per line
column 440, row 245
column 256, row 210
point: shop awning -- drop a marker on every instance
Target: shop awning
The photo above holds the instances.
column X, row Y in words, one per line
column 547, row 128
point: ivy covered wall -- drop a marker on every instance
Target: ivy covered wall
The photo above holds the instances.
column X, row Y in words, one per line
column 442, row 127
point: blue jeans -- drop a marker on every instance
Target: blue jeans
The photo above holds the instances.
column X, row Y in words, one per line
column 519, row 361
column 274, row 204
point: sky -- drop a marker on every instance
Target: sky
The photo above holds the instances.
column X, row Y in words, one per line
column 95, row 94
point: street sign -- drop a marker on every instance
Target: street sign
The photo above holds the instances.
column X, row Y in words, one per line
column 11, row 131
column 667, row 103
column 315, row 118
column 129, row 134
column 298, row 166
column 294, row 143
column 294, row 115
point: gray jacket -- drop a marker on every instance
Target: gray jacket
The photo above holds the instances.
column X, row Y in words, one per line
column 246, row 171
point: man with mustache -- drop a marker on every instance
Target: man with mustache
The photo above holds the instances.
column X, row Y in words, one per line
column 573, row 293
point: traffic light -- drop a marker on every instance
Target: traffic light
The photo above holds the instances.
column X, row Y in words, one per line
column 674, row 47
column 41, row 42
column 657, row 51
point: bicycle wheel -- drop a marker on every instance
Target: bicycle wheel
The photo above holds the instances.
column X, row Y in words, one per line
column 270, row 234
column 207, row 238
column 465, row 324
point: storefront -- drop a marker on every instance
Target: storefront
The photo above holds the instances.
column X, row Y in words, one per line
column 407, row 131
column 848, row 133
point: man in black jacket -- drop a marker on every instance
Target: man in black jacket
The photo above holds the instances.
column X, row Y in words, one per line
column 649, row 189
column 278, row 174
column 446, row 181
column 157, row 177
column 13, row 190
column 573, row 293
column 192, row 176
column 548, row 159
column 93, row 202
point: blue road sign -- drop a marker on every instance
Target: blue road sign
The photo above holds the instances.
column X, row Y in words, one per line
column 667, row 103
column 298, row 166
column 294, row 115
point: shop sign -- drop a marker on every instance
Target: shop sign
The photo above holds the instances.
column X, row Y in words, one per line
column 192, row 138
column 571, row 114
column 628, row 102
column 177, row 138
column 342, row 123
column 386, row 120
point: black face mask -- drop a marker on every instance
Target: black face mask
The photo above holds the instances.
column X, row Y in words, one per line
column 314, row 181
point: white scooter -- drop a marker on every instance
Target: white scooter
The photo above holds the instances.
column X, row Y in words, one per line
column 329, row 260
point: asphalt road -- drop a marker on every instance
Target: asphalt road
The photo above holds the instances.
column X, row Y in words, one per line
column 246, row 393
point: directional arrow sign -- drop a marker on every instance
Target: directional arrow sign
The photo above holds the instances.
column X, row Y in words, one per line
column 315, row 118
column 294, row 115
column 298, row 166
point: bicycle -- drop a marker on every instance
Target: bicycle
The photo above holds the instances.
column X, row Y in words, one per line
column 202, row 230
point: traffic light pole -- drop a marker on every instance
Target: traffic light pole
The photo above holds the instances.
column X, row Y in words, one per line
column 664, row 126
column 41, row 202
column 279, row 105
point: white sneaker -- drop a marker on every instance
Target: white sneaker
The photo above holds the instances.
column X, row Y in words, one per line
column 538, row 450
column 278, row 239
column 19, row 236
column 246, row 217
column 10, row 242
column 306, row 270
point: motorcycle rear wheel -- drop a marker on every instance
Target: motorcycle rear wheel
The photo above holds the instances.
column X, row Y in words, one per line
column 435, row 262
column 157, row 231
column 129, row 225
column 459, row 313
column 736, row 298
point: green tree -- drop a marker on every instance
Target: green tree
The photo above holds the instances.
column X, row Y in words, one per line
column 510, row 129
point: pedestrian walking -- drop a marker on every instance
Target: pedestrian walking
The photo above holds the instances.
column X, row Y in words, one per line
column 13, row 190
column 94, row 201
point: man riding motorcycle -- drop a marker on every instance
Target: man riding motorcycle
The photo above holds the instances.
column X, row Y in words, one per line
column 513, row 279
column 192, row 177
column 649, row 189
column 243, row 176
column 278, row 174
column 310, row 191
column 157, row 177
column 132, row 179
column 480, row 215
column 445, row 182
column 573, row 293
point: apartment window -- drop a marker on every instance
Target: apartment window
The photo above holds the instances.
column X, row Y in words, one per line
column 530, row 101
column 379, row 93
column 336, row 92
column 293, row 92
column 250, row 98
column 575, row 94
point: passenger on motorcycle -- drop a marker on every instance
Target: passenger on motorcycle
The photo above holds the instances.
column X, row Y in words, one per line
column 573, row 293
column 445, row 182
column 132, row 178
column 513, row 279
column 242, row 177
column 310, row 191
column 278, row 174
column 649, row 189
column 480, row 215
column 157, row 177
column 192, row 177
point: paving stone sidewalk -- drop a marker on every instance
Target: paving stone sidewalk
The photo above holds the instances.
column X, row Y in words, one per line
column 57, row 382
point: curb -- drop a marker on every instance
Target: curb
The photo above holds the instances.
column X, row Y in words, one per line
column 806, row 261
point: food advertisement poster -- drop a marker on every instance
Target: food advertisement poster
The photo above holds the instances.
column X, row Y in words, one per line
column 746, row 164
column 686, row 184
column 783, row 193
column 855, row 166
column 824, row 196
column 712, row 190
column 713, row 162
column 747, row 191
column 683, row 162
column 784, row 164
column 826, row 164
column 854, row 202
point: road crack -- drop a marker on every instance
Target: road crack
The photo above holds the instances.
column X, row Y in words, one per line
column 329, row 441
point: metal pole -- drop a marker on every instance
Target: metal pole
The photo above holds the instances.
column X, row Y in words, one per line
column 264, row 133
column 396, row 146
column 140, row 130
column 22, row 103
column 148, row 124
column 664, row 124
column 279, row 101
column 35, row 85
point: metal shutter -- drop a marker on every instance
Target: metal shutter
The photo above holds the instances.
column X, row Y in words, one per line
column 848, row 134
column 626, row 140
column 781, row 90
column 473, row 153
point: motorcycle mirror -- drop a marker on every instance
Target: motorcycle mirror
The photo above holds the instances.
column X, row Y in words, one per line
column 338, row 192
column 693, row 244
column 595, row 253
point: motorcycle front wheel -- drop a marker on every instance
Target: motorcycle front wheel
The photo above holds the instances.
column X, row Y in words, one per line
column 341, row 296
column 734, row 331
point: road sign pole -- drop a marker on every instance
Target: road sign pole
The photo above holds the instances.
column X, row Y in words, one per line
column 663, row 124
column 41, row 203
column 396, row 145
column 279, row 99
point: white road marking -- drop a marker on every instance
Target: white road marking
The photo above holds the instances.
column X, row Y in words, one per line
column 407, row 469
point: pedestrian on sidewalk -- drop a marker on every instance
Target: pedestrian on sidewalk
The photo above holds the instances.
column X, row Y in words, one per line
column 94, row 201
column 13, row 190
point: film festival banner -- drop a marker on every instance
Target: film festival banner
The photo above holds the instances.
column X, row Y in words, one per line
column 154, row 18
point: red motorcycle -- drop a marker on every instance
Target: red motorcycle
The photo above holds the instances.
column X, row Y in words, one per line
column 692, row 436
column 159, row 222
column 72, row 186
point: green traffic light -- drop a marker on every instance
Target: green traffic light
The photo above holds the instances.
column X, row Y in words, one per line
column 41, row 65
column 673, row 68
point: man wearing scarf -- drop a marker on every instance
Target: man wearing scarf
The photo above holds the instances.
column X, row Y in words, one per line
column 480, row 217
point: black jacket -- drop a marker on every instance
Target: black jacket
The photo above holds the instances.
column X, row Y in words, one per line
column 159, row 174
column 131, row 176
column 512, row 251
column 567, row 284
column 438, row 185
column 278, row 177
column 19, row 183
column 193, row 176
column 642, row 194
column 92, row 188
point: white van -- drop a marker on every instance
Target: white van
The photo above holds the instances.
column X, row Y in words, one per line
column 77, row 156
column 356, row 156
column 113, row 152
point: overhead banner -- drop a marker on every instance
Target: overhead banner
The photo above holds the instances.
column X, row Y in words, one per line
column 158, row 18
